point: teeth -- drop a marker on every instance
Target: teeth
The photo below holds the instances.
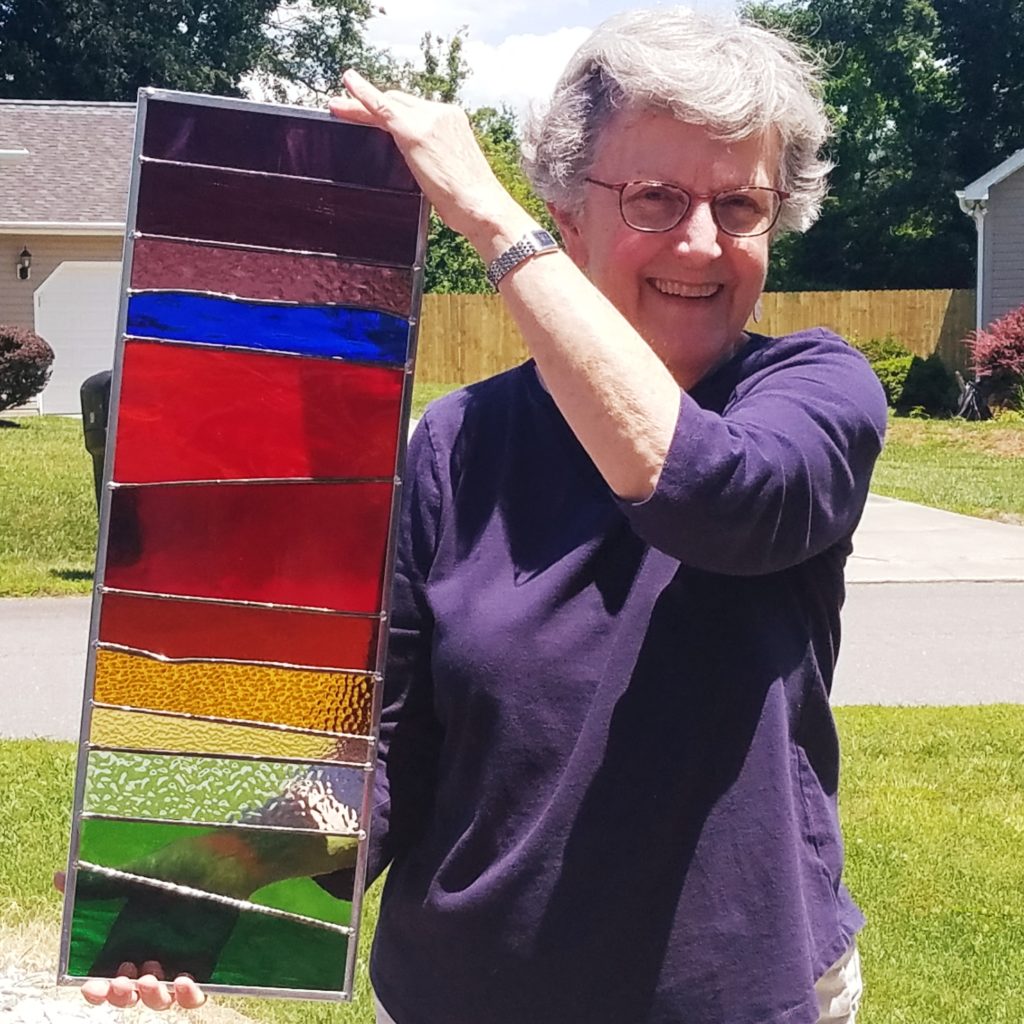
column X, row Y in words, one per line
column 686, row 291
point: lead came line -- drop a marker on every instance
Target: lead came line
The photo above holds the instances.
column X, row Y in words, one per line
column 212, row 897
column 234, row 603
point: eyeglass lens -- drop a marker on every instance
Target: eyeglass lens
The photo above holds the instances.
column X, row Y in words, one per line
column 649, row 206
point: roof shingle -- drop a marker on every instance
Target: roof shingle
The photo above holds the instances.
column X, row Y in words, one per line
column 78, row 166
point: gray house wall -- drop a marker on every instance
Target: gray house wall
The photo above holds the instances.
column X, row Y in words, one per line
column 1003, row 286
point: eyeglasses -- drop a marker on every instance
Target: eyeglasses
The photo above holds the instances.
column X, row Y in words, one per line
column 654, row 206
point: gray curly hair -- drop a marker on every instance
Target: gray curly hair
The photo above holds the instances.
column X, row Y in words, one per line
column 732, row 76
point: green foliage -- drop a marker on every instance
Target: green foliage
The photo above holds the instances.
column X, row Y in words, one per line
column 452, row 263
column 25, row 361
column 877, row 349
column 912, row 385
column 893, row 373
column 926, row 95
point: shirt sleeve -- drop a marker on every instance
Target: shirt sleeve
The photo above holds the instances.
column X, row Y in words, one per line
column 781, row 474
column 410, row 735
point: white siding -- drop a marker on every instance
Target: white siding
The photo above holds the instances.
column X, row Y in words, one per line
column 1004, row 248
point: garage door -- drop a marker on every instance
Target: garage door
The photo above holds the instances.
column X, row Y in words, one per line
column 76, row 312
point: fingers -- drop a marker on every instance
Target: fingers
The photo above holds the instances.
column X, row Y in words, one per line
column 128, row 989
column 367, row 94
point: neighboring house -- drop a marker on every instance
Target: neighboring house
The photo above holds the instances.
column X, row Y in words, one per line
column 996, row 202
column 64, row 171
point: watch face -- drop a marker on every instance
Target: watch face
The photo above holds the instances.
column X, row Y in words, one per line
column 543, row 238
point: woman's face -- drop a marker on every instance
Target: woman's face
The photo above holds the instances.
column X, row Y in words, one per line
column 689, row 291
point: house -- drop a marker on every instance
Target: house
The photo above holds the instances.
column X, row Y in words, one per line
column 996, row 202
column 64, row 172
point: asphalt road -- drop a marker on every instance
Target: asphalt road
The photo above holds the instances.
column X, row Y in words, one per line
column 903, row 643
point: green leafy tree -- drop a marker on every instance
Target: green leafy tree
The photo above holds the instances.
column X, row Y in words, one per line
column 916, row 98
column 108, row 49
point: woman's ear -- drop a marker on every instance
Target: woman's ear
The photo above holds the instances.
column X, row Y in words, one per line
column 572, row 239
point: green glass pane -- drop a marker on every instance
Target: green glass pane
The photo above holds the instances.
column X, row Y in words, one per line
column 225, row 934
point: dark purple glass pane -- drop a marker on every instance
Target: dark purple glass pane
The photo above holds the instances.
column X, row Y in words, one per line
column 277, row 143
column 209, row 204
column 277, row 276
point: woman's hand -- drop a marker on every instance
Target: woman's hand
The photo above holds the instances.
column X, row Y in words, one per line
column 441, row 150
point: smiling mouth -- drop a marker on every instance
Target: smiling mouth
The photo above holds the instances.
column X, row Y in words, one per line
column 684, row 291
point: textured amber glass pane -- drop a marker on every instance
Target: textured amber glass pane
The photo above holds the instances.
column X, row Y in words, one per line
column 223, row 792
column 330, row 701
column 216, row 929
column 136, row 730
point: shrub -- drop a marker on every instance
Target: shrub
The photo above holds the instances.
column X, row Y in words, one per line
column 877, row 350
column 893, row 373
column 25, row 361
column 998, row 355
column 930, row 386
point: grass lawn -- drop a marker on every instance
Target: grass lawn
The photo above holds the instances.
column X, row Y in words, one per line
column 933, row 811
column 973, row 468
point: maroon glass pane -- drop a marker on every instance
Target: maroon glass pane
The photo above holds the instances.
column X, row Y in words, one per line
column 252, row 416
column 213, row 205
column 309, row 544
column 276, row 276
column 200, row 629
column 277, row 143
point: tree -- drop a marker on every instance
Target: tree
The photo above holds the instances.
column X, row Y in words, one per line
column 25, row 360
column 910, row 89
column 108, row 49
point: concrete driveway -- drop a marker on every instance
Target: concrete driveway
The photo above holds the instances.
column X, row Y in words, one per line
column 934, row 615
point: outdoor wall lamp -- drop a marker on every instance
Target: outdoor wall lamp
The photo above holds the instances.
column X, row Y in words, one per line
column 24, row 265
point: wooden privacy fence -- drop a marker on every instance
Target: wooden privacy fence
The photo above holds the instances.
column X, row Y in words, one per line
column 464, row 338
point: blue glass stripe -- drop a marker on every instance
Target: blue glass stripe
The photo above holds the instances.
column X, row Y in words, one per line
column 359, row 334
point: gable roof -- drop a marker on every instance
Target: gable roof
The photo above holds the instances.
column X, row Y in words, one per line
column 75, row 175
column 978, row 190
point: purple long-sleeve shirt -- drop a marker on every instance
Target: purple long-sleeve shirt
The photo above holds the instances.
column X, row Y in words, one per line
column 608, row 767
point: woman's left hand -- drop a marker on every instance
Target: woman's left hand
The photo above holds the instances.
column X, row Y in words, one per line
column 438, row 144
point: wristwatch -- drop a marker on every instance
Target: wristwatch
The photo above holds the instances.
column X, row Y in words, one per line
column 533, row 243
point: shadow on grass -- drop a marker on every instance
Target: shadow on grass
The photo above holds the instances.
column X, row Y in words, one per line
column 10, row 425
column 72, row 575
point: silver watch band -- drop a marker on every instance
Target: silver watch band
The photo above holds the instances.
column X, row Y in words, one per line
column 533, row 243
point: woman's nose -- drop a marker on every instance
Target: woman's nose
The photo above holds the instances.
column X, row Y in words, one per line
column 696, row 235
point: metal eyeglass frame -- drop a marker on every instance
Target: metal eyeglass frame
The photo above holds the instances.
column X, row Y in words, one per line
column 621, row 186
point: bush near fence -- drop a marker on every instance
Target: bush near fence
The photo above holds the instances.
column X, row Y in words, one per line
column 464, row 338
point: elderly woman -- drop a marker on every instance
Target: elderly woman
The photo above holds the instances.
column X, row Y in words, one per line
column 608, row 765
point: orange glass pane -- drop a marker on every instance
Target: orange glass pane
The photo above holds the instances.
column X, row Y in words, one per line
column 327, row 701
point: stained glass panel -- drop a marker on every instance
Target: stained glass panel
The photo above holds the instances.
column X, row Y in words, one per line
column 277, row 276
column 261, row 417
column 138, row 730
column 305, row 699
column 307, row 544
column 270, row 302
column 303, row 216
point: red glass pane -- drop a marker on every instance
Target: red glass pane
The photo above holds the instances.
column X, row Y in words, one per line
column 205, row 414
column 200, row 629
column 215, row 205
column 309, row 544
column 277, row 276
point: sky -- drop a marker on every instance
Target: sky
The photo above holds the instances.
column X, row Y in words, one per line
column 516, row 49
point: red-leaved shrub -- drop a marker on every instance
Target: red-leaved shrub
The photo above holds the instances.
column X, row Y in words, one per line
column 997, row 354
column 25, row 361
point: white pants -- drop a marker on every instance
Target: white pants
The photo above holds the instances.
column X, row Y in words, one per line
column 838, row 991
